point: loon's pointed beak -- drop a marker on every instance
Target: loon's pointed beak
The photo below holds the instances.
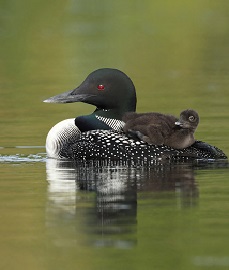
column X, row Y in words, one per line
column 75, row 95
column 68, row 97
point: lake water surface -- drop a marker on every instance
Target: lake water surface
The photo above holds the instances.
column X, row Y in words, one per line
column 56, row 215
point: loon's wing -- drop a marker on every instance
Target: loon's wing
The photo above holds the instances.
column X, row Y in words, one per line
column 113, row 145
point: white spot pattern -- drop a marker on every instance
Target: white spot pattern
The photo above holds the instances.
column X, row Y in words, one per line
column 113, row 145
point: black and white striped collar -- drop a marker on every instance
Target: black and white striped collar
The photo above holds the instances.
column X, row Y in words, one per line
column 113, row 123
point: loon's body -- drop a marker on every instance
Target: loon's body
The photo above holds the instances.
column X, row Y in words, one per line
column 99, row 135
column 158, row 129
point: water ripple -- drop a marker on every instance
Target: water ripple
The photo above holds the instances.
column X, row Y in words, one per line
column 41, row 157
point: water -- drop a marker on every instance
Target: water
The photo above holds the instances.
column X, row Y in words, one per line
column 55, row 215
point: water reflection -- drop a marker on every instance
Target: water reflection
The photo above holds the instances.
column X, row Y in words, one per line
column 100, row 202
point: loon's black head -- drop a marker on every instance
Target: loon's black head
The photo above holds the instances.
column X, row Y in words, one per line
column 189, row 119
column 106, row 88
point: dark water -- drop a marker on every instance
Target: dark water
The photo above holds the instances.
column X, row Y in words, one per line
column 55, row 215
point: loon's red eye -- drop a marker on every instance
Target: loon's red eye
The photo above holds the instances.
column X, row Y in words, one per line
column 100, row 87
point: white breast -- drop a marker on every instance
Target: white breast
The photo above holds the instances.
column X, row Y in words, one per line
column 62, row 133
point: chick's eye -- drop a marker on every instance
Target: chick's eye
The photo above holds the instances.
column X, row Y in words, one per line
column 100, row 87
column 191, row 118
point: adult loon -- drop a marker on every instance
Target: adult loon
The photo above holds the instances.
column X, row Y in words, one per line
column 157, row 128
column 99, row 135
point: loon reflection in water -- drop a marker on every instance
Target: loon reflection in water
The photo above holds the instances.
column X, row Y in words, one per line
column 104, row 199
column 100, row 136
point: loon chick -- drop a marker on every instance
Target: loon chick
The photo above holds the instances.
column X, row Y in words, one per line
column 156, row 128
column 110, row 90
